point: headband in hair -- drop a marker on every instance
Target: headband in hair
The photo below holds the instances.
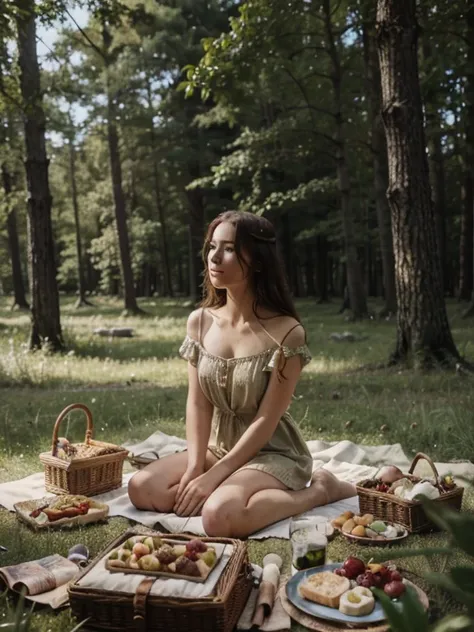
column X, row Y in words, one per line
column 260, row 237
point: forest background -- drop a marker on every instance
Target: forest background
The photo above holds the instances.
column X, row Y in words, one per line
column 160, row 115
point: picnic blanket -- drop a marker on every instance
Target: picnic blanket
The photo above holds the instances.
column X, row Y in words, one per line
column 348, row 461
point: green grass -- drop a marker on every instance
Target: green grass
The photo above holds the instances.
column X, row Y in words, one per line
column 136, row 386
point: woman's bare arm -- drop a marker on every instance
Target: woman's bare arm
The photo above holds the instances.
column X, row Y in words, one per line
column 198, row 409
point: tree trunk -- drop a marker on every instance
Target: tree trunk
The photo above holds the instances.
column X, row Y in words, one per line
column 370, row 283
column 332, row 273
column 435, row 161
column 168, row 286
column 196, row 240
column 286, row 240
column 19, row 301
column 298, row 284
column 45, row 314
column 180, row 275
column 380, row 171
column 309, row 270
column 81, row 299
column 466, row 245
column 120, row 215
column 355, row 283
column 438, row 185
column 423, row 332
column 469, row 101
column 322, row 269
column 130, row 301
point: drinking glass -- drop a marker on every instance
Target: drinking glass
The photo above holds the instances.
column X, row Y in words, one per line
column 308, row 545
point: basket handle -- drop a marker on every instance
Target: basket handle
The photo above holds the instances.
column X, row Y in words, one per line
column 64, row 413
column 420, row 456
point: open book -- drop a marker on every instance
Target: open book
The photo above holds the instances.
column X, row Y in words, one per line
column 44, row 580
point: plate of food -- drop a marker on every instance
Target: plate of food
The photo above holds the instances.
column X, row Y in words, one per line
column 164, row 557
column 343, row 592
column 365, row 529
column 54, row 512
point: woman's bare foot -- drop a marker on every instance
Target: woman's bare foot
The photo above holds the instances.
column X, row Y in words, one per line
column 329, row 489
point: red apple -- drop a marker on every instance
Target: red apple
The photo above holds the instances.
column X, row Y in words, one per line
column 353, row 567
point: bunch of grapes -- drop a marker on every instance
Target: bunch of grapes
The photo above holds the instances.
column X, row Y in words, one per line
column 390, row 580
column 193, row 547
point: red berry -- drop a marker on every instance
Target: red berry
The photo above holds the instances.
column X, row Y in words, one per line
column 394, row 589
column 378, row 580
column 366, row 580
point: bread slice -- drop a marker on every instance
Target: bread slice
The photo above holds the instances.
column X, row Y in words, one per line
column 325, row 588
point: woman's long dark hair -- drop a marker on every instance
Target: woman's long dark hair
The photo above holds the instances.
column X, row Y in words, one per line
column 256, row 237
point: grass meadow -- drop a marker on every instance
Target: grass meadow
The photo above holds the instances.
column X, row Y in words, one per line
column 135, row 386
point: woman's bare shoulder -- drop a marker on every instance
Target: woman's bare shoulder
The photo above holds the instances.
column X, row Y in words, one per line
column 286, row 329
column 194, row 323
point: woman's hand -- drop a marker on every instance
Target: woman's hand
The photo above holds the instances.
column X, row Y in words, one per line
column 195, row 493
column 190, row 474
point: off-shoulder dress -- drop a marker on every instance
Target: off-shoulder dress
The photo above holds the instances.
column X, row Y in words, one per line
column 235, row 387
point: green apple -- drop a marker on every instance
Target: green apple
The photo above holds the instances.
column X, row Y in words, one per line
column 204, row 569
column 209, row 557
column 114, row 555
column 124, row 554
column 129, row 544
column 149, row 543
column 149, row 563
column 157, row 541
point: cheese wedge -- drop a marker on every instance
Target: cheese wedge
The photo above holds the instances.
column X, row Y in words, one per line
column 357, row 602
column 324, row 588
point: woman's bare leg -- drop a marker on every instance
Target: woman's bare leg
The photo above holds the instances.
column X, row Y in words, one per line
column 250, row 500
column 154, row 487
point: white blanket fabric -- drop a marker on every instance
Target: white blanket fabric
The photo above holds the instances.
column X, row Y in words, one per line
column 347, row 460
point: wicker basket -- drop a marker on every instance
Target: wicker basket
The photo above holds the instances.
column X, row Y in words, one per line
column 95, row 467
column 408, row 513
column 145, row 612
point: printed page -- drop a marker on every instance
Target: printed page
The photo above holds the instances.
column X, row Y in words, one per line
column 39, row 576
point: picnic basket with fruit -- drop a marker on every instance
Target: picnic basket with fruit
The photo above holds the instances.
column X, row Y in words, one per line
column 164, row 557
column 110, row 608
column 394, row 497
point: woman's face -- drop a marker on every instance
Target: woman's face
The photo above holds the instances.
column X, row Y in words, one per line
column 225, row 269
